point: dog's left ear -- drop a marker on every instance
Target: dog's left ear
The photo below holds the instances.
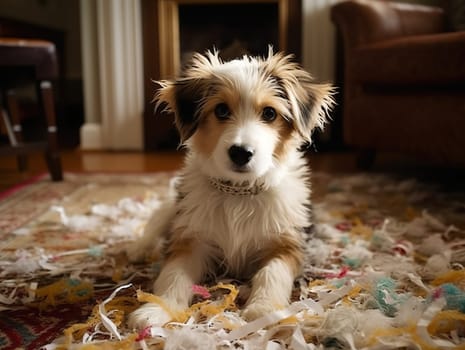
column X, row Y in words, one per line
column 310, row 102
column 314, row 107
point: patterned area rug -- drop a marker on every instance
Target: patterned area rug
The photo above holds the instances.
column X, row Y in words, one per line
column 387, row 270
column 53, row 265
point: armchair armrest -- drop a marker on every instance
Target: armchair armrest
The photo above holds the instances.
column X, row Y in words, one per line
column 365, row 21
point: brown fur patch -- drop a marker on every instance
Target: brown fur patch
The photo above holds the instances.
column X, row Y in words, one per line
column 285, row 129
column 210, row 129
column 178, row 247
column 207, row 135
column 287, row 249
column 286, row 135
column 312, row 100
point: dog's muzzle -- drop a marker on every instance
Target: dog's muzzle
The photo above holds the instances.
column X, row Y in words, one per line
column 240, row 155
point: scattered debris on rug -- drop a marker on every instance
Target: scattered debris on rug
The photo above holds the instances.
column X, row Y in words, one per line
column 387, row 272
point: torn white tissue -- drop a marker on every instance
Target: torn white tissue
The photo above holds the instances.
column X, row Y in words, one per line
column 107, row 323
column 309, row 305
column 78, row 222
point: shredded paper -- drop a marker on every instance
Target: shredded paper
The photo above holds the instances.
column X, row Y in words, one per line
column 385, row 272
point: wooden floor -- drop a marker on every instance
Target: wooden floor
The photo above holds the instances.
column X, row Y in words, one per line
column 138, row 162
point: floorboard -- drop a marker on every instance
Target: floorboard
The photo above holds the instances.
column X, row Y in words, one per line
column 87, row 161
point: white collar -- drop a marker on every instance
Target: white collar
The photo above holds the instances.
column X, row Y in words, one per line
column 237, row 189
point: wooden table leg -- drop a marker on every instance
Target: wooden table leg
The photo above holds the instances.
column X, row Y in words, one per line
column 16, row 128
column 52, row 155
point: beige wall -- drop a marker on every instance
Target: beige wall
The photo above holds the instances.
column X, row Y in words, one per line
column 57, row 14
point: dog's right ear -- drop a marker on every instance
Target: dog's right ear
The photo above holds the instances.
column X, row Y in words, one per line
column 186, row 95
column 183, row 98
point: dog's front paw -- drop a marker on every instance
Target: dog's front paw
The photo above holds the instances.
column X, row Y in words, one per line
column 257, row 309
column 148, row 315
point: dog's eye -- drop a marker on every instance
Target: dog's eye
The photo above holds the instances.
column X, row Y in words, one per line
column 222, row 111
column 269, row 114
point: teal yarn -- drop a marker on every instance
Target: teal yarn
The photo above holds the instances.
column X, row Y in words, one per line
column 338, row 283
column 345, row 240
column 81, row 291
column 384, row 288
column 351, row 262
column 455, row 297
column 73, row 282
column 95, row 251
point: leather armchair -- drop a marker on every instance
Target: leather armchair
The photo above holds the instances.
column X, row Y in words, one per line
column 404, row 80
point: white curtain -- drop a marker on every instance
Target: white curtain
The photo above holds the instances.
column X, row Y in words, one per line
column 113, row 74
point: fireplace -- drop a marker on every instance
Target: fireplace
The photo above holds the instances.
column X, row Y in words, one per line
column 174, row 29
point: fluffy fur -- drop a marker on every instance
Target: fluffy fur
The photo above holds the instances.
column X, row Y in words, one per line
column 243, row 195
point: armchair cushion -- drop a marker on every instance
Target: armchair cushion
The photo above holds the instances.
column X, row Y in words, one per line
column 367, row 21
column 404, row 79
column 435, row 59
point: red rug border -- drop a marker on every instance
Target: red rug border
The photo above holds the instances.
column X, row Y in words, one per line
column 36, row 178
column 12, row 190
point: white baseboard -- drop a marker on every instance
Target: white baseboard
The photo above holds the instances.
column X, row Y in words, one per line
column 91, row 136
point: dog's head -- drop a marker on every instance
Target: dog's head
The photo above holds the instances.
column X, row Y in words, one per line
column 245, row 116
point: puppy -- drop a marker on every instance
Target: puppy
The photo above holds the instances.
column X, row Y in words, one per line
column 243, row 201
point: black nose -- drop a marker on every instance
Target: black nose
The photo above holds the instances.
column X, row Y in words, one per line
column 240, row 155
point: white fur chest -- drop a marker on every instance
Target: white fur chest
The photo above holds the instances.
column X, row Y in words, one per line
column 239, row 223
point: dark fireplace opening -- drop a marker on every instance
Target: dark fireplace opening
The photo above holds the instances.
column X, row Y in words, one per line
column 233, row 29
column 174, row 29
